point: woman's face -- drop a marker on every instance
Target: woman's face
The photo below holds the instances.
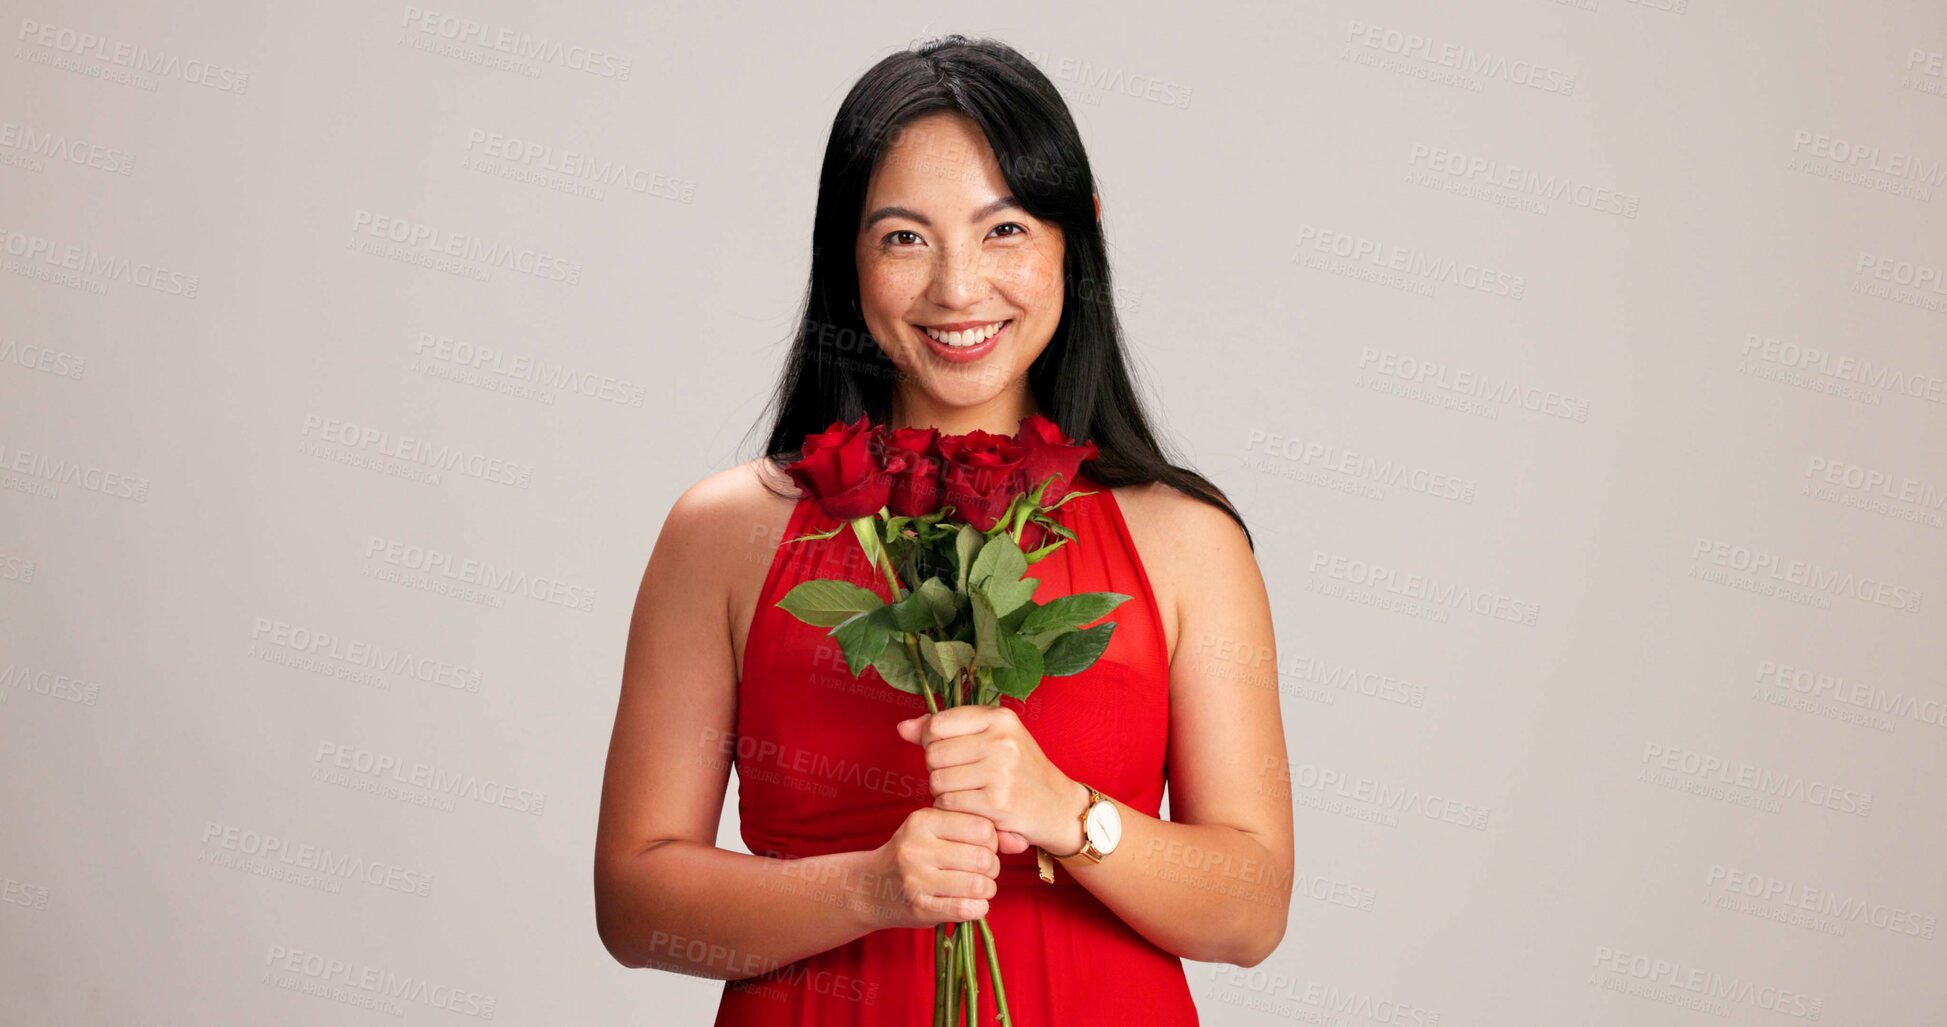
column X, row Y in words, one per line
column 941, row 245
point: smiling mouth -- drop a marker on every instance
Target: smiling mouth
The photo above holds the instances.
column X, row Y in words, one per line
column 965, row 338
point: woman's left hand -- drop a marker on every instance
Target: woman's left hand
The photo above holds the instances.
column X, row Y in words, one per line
column 981, row 759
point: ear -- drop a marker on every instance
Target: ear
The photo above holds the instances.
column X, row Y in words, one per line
column 1098, row 206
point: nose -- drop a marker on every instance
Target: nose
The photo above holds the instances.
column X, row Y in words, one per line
column 959, row 279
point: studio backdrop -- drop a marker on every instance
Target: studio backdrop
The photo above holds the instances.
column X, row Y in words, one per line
column 1580, row 367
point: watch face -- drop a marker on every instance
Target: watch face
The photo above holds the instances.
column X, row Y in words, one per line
column 1104, row 826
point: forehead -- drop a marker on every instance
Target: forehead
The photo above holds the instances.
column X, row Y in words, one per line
column 940, row 161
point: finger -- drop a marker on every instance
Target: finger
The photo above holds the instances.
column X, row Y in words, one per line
column 960, row 884
column 911, row 728
column 969, row 800
column 1011, row 841
column 951, row 752
column 974, row 859
column 955, row 721
column 964, row 827
column 965, row 777
column 941, row 910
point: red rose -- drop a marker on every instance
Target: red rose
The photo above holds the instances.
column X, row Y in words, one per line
column 1045, row 451
column 847, row 469
column 916, row 489
column 982, row 475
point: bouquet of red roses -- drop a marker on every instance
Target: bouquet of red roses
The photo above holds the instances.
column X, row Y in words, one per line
column 953, row 523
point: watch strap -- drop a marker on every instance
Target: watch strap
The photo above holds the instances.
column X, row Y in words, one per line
column 1046, row 860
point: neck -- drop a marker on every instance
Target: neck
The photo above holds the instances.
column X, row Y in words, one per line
column 1001, row 415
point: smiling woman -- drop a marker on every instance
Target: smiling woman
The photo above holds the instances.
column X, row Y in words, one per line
column 958, row 229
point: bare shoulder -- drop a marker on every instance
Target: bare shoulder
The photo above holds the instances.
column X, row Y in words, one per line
column 733, row 489
column 729, row 509
column 1188, row 547
column 726, row 528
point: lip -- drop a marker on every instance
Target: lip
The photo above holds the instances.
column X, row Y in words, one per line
column 965, row 354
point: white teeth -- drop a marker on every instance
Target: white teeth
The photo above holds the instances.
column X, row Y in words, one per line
column 970, row 337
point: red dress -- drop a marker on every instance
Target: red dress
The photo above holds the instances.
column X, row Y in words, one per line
column 821, row 770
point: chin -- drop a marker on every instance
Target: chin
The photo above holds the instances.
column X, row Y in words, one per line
column 948, row 393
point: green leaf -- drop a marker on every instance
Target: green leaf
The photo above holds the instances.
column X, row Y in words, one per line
column 1036, row 556
column 867, row 530
column 1071, row 611
column 828, row 601
column 947, row 659
column 987, row 631
column 939, row 597
column 896, row 666
column 1000, row 560
column 1009, row 596
column 1034, row 497
column 1070, row 496
column 817, row 535
column 965, row 545
column 862, row 638
column 1012, row 620
column 913, row 613
column 1024, row 670
column 1076, row 651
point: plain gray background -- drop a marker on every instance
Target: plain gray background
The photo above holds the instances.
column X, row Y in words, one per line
column 1629, row 314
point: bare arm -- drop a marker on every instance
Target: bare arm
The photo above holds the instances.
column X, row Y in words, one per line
column 1213, row 883
column 665, row 895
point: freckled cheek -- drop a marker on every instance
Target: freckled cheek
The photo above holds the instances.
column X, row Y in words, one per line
column 892, row 289
column 1032, row 281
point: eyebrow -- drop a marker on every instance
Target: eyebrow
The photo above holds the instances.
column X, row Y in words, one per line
column 1004, row 203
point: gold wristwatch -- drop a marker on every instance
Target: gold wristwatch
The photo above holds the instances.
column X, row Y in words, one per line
column 1101, row 830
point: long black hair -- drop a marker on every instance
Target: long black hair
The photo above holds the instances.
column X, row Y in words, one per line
column 1081, row 380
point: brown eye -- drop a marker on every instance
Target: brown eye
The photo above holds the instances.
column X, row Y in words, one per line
column 890, row 236
column 1011, row 224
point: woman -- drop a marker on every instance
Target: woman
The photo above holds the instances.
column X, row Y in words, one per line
column 959, row 281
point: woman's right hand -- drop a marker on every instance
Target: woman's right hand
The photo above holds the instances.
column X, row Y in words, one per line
column 941, row 866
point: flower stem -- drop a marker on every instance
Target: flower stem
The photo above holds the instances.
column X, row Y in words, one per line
column 994, row 971
column 953, row 979
column 973, row 979
column 939, row 975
